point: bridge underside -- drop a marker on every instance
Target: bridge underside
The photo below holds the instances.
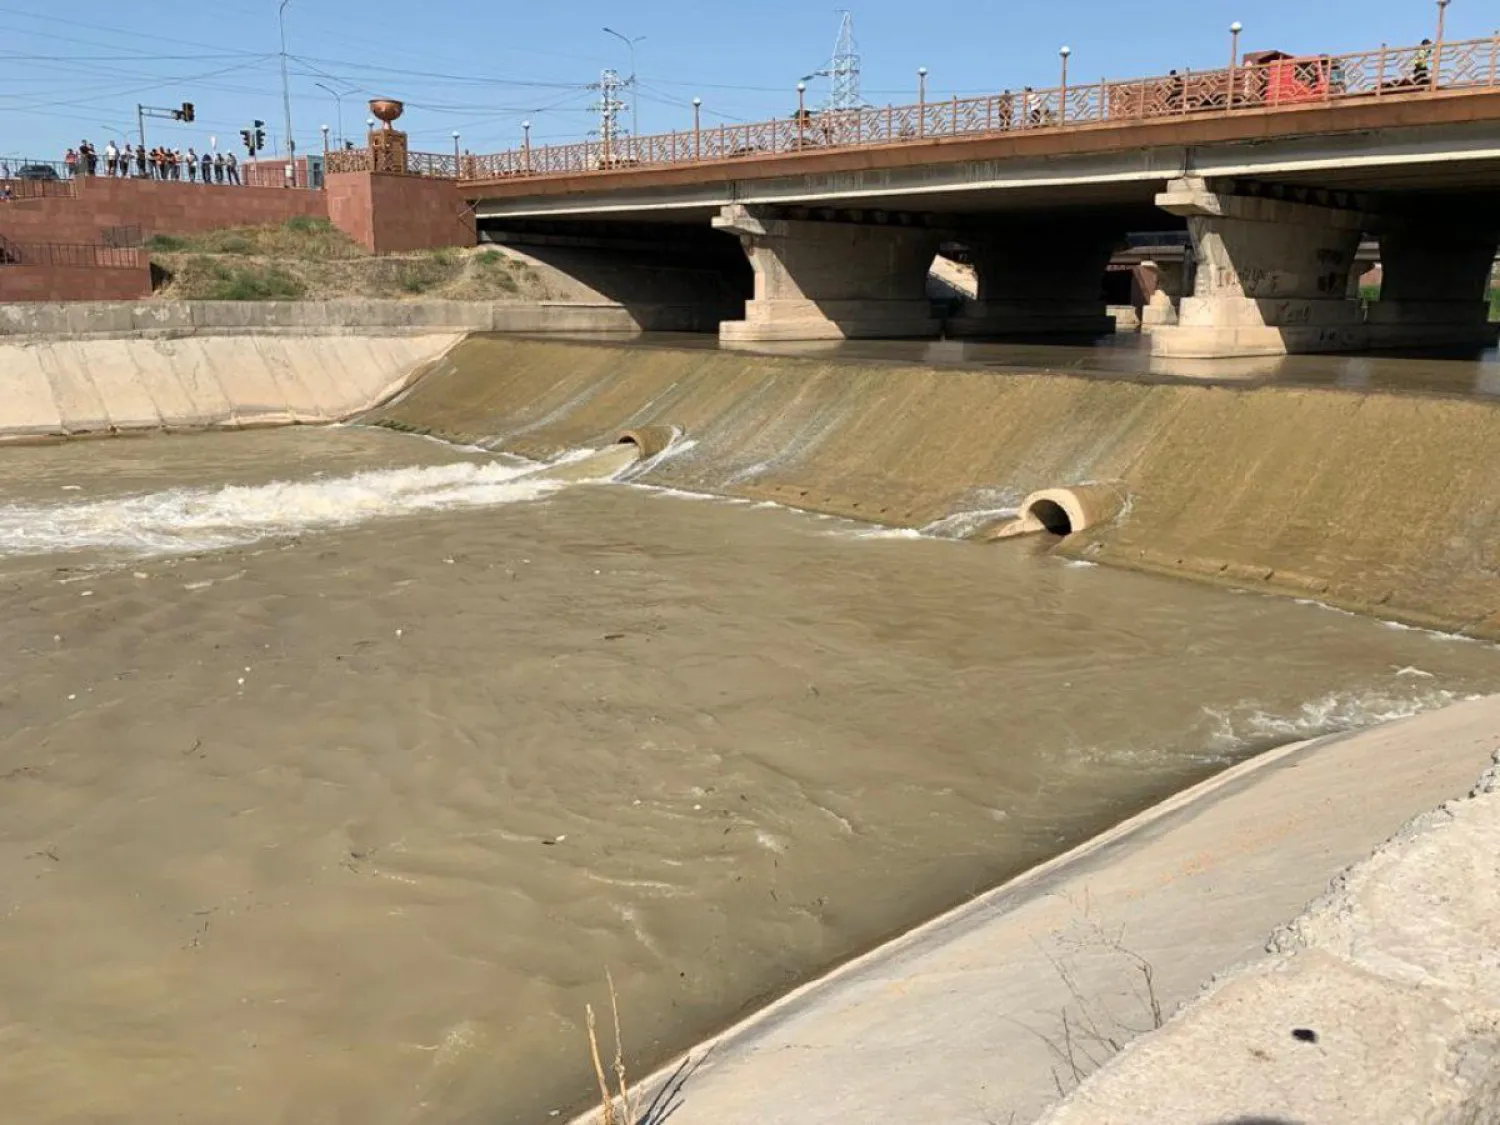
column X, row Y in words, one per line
column 1273, row 231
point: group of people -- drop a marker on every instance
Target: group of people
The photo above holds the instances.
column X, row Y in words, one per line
column 152, row 164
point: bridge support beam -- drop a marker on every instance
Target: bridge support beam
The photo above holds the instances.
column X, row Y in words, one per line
column 1038, row 278
column 1272, row 275
column 832, row 280
column 1436, row 272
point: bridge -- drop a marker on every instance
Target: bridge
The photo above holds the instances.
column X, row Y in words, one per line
column 1277, row 167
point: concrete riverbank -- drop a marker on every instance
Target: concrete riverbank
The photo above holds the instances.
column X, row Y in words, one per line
column 988, row 1013
column 1384, row 503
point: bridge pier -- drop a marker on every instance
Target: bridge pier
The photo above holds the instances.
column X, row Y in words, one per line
column 1038, row 278
column 817, row 280
column 1272, row 274
column 1436, row 273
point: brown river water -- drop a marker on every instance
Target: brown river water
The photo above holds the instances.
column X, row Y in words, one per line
column 338, row 766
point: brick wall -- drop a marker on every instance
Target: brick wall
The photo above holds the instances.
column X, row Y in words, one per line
column 155, row 207
column 68, row 283
column 388, row 214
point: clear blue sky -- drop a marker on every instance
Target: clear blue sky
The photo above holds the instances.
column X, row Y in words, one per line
column 75, row 70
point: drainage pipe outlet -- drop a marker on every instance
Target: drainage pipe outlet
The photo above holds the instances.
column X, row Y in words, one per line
column 1065, row 511
column 650, row 440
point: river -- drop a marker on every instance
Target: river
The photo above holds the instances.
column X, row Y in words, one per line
column 338, row 766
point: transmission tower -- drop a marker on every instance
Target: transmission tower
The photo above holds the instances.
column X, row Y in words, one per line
column 843, row 71
column 609, row 107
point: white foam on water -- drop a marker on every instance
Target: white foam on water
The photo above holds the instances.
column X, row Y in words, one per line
column 1249, row 725
column 183, row 520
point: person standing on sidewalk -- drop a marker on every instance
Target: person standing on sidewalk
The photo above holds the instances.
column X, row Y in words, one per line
column 232, row 169
column 208, row 168
column 111, row 159
column 218, row 167
column 192, row 166
column 140, row 162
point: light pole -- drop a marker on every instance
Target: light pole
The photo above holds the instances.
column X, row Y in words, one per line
column 1234, row 58
column 635, row 97
column 338, row 105
column 324, row 130
column 455, row 154
column 526, row 143
column 921, row 100
column 286, row 97
column 1062, row 102
column 697, row 126
column 1437, row 54
column 801, row 111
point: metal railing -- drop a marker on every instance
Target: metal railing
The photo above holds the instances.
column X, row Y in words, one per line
column 36, row 189
column 72, row 255
column 1468, row 65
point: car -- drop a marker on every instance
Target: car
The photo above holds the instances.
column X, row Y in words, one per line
column 37, row 172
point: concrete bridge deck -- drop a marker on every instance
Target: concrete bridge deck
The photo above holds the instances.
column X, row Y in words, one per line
column 1278, row 168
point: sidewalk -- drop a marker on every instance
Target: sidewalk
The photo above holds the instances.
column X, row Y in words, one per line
column 963, row 1019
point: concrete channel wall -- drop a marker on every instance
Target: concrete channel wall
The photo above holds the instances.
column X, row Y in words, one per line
column 108, row 367
column 98, row 386
column 1380, row 1002
column 1382, row 503
column 70, row 320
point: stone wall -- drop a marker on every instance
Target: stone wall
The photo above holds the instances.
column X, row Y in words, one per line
column 81, row 283
column 389, row 214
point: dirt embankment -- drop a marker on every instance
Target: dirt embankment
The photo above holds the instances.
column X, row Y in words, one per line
column 310, row 259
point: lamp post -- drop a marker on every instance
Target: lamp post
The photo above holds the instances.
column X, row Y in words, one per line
column 338, row 104
column 1234, row 59
column 526, row 143
column 455, row 152
column 801, row 111
column 324, row 130
column 635, row 97
column 697, row 126
column 1062, row 102
column 286, row 96
column 921, row 100
column 1437, row 52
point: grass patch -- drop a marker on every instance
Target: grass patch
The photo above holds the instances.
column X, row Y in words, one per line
column 1369, row 292
column 216, row 280
column 489, row 257
column 166, row 243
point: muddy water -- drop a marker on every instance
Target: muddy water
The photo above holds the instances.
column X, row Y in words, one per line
column 336, row 767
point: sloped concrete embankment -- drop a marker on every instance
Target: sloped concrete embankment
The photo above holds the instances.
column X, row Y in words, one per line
column 1381, row 503
column 1380, row 1002
column 104, row 386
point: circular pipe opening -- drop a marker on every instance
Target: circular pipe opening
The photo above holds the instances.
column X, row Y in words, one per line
column 1052, row 516
column 650, row 440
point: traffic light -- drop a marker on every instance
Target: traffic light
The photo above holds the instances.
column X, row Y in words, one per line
column 187, row 111
column 248, row 141
column 260, row 136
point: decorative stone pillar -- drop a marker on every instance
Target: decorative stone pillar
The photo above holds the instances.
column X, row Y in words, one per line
column 387, row 144
column 817, row 280
column 1272, row 273
column 1038, row 278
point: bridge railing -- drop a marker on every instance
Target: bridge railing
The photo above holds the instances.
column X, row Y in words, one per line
column 1273, row 81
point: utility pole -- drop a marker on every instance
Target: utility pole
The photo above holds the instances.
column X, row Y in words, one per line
column 286, row 97
column 843, row 69
column 635, row 96
column 608, row 107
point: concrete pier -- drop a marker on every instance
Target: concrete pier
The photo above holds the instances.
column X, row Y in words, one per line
column 817, row 280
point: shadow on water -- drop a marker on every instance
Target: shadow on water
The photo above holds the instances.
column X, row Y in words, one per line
column 1457, row 372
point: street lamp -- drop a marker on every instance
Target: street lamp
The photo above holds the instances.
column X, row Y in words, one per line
column 1062, row 113
column 1437, row 53
column 1234, row 58
column 921, row 100
column 526, row 144
column 635, row 97
column 324, row 130
column 801, row 111
column 286, row 95
column 455, row 152
column 338, row 101
column 697, row 125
